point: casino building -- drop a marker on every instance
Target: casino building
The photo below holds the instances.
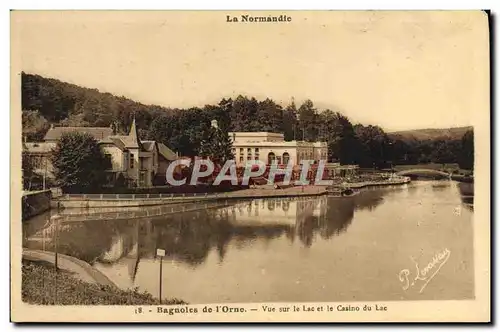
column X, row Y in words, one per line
column 269, row 147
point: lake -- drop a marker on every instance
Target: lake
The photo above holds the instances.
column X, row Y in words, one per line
column 409, row 242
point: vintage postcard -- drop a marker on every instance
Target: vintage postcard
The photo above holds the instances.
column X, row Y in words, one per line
column 253, row 166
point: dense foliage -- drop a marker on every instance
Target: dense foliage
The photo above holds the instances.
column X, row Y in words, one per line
column 28, row 170
column 216, row 145
column 466, row 157
column 47, row 101
column 79, row 162
column 40, row 284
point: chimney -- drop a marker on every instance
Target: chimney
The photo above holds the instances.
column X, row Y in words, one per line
column 113, row 127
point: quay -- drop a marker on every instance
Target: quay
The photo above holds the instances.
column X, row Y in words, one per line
column 79, row 268
column 391, row 181
column 87, row 201
column 96, row 201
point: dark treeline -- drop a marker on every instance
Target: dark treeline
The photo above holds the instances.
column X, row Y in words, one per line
column 49, row 101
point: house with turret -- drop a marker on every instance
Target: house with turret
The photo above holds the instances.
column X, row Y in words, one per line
column 137, row 162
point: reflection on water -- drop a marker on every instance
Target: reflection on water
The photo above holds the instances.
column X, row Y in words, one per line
column 254, row 237
column 188, row 237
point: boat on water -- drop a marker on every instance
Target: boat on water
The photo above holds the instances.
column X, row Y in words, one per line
column 341, row 192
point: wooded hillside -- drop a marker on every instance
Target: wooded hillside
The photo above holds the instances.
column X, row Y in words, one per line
column 48, row 101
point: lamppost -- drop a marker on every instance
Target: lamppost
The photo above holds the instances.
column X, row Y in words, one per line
column 161, row 253
column 44, row 172
column 55, row 218
column 391, row 156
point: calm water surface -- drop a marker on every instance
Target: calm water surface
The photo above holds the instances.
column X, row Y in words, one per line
column 292, row 250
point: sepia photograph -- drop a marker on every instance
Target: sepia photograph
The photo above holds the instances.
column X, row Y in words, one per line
column 250, row 166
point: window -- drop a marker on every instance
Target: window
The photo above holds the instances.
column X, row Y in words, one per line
column 249, row 151
column 241, row 151
column 286, row 158
column 131, row 161
column 109, row 164
column 270, row 158
column 241, row 159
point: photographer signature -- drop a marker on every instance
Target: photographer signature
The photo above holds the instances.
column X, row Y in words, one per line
column 426, row 274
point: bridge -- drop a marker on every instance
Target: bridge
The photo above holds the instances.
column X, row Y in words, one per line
column 424, row 172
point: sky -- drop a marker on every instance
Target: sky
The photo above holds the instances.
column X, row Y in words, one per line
column 400, row 70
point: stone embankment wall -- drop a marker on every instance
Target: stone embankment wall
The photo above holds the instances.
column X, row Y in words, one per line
column 34, row 203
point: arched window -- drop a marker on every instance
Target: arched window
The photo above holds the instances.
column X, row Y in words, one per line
column 271, row 157
column 286, row 158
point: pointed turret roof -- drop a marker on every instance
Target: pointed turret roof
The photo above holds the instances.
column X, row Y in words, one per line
column 133, row 136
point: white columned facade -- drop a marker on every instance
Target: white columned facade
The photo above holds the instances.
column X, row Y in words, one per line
column 266, row 147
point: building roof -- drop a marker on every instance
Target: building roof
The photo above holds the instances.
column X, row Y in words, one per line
column 104, row 135
column 128, row 142
column 166, row 152
column 115, row 140
column 132, row 140
column 99, row 133
column 123, row 142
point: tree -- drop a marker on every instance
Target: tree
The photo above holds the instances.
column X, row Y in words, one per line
column 374, row 144
column 216, row 145
column 442, row 152
column 307, row 121
column 34, row 125
column 338, row 132
column 290, row 122
column 243, row 113
column 79, row 163
column 269, row 116
column 28, row 174
column 466, row 157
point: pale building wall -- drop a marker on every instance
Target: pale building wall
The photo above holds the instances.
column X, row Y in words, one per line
column 246, row 143
column 117, row 157
column 133, row 172
column 146, row 168
column 320, row 151
column 297, row 153
column 155, row 161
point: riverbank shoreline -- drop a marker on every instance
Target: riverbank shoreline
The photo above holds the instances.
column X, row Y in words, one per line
column 95, row 201
column 83, row 270
column 43, row 285
column 390, row 182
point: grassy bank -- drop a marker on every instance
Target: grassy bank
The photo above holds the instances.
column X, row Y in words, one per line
column 42, row 285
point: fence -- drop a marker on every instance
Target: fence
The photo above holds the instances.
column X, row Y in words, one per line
column 141, row 196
